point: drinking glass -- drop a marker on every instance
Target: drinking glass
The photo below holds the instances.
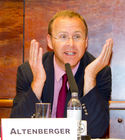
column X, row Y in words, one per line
column 43, row 110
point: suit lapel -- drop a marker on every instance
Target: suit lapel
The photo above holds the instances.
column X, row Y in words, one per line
column 48, row 90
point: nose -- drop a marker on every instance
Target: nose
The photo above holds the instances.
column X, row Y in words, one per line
column 70, row 42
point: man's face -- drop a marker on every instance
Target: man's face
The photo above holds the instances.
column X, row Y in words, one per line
column 68, row 40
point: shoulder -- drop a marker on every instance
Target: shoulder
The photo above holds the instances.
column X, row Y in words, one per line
column 86, row 59
column 47, row 56
column 89, row 57
column 25, row 67
column 48, row 60
column 24, row 71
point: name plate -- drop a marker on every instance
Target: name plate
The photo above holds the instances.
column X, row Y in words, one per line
column 39, row 129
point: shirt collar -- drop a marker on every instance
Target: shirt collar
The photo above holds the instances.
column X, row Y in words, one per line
column 59, row 72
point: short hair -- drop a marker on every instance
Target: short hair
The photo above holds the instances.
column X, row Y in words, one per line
column 66, row 13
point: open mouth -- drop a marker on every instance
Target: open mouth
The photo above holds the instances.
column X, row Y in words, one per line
column 70, row 53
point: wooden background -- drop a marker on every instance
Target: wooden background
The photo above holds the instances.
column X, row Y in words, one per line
column 11, row 51
column 11, row 44
column 105, row 19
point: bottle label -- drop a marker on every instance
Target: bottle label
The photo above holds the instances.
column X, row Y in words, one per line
column 83, row 127
column 74, row 114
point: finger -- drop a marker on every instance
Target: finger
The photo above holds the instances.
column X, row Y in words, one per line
column 108, row 51
column 103, row 59
column 35, row 52
column 40, row 55
column 109, row 46
column 110, row 41
column 101, row 56
column 31, row 50
column 106, row 56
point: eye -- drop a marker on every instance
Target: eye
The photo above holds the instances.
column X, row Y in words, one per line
column 63, row 36
column 77, row 36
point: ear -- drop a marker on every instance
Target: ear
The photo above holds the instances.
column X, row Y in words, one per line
column 49, row 42
column 86, row 42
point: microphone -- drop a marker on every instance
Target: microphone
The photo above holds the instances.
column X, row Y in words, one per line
column 74, row 107
column 72, row 83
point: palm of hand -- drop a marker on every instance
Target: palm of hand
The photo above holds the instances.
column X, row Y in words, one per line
column 101, row 61
column 35, row 61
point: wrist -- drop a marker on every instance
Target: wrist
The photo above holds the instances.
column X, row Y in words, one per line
column 37, row 88
column 89, row 83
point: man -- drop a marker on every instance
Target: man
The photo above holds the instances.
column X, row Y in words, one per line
column 40, row 79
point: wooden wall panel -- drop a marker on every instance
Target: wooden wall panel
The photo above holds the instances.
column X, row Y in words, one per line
column 118, row 63
column 11, row 44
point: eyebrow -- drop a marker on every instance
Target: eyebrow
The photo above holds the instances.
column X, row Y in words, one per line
column 78, row 32
column 68, row 33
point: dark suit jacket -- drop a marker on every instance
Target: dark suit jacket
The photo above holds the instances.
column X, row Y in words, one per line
column 96, row 100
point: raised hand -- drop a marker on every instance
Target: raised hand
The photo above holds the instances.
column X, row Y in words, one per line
column 35, row 61
column 97, row 65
